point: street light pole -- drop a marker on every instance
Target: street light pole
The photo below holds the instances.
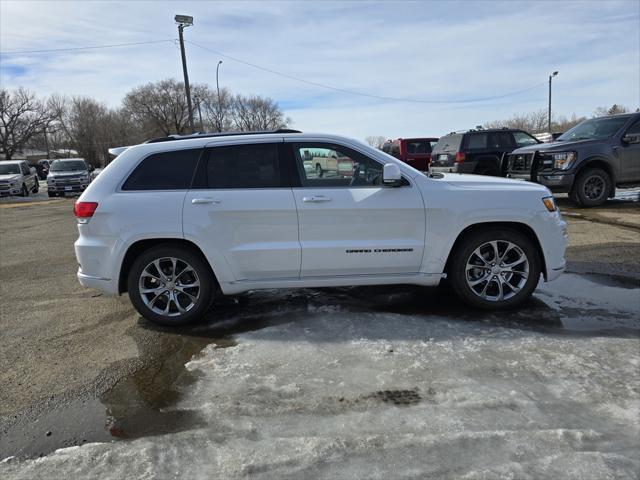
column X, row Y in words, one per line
column 185, row 21
column 218, row 89
column 549, row 114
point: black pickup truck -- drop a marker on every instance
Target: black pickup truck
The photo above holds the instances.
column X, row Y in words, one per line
column 588, row 161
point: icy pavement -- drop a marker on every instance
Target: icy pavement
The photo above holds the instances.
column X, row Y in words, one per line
column 398, row 383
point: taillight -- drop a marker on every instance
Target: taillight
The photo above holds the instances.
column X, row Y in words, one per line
column 460, row 157
column 84, row 211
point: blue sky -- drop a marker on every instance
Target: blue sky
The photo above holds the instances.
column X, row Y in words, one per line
column 434, row 51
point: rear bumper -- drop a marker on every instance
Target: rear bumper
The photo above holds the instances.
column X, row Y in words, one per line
column 105, row 285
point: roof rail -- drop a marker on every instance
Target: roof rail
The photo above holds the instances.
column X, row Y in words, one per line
column 171, row 138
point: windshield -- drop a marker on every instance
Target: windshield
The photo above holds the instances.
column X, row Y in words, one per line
column 594, row 129
column 68, row 166
column 11, row 168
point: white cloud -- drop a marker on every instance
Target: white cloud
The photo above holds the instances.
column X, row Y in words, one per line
column 428, row 50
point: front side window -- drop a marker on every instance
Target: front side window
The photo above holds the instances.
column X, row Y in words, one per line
column 524, row 139
column 634, row 129
column 164, row 171
column 325, row 165
column 501, row 140
column 244, row 166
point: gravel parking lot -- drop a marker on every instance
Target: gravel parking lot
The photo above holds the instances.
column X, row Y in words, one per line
column 322, row 383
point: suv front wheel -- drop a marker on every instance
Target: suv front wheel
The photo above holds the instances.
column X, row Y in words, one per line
column 495, row 269
column 591, row 188
column 171, row 285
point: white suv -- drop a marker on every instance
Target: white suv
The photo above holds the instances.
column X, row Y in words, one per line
column 177, row 221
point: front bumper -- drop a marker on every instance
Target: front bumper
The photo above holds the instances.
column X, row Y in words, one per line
column 11, row 192
column 66, row 188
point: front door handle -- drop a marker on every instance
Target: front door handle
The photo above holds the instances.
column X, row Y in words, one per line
column 316, row 199
column 203, row 201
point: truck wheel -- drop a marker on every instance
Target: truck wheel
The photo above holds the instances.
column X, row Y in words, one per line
column 496, row 268
column 591, row 188
column 170, row 285
column 24, row 191
column 36, row 187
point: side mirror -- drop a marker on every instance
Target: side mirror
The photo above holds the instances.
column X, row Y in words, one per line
column 391, row 175
column 631, row 138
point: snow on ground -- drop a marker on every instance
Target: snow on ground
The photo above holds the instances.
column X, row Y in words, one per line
column 337, row 390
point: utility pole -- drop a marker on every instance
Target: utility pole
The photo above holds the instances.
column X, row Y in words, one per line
column 219, row 106
column 46, row 142
column 185, row 21
column 549, row 117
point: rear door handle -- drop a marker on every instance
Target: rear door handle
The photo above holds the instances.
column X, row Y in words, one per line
column 316, row 199
column 203, row 201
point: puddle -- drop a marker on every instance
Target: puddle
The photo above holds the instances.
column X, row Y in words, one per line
column 141, row 404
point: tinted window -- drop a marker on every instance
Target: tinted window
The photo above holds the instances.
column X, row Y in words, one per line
column 477, row 141
column 417, row 146
column 325, row 165
column 448, row 143
column 244, row 166
column 501, row 140
column 523, row 139
column 595, row 129
column 164, row 171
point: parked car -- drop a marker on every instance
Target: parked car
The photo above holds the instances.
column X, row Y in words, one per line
column 17, row 178
column 68, row 175
column 588, row 161
column 478, row 151
column 42, row 168
column 412, row 151
column 178, row 221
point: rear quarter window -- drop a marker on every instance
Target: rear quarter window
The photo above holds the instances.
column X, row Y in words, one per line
column 164, row 171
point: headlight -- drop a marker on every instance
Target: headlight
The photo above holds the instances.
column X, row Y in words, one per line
column 563, row 160
column 550, row 203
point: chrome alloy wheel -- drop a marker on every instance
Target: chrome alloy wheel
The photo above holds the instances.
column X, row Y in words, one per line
column 169, row 286
column 497, row 270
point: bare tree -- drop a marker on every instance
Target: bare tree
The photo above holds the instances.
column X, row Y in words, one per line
column 159, row 107
column 536, row 122
column 22, row 117
column 257, row 113
column 217, row 115
column 376, row 141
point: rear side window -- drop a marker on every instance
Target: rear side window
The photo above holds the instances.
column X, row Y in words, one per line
column 502, row 140
column 477, row 141
column 164, row 171
column 448, row 143
column 244, row 166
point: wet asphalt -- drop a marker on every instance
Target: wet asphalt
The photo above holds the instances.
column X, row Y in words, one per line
column 83, row 368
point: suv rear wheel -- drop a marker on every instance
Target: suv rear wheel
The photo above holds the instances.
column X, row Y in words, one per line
column 171, row 285
column 591, row 188
column 495, row 269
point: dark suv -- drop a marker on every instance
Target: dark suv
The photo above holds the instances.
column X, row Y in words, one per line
column 478, row 151
column 588, row 161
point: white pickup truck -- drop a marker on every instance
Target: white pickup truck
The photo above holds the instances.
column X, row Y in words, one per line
column 17, row 178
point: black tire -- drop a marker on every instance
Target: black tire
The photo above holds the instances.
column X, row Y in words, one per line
column 465, row 248
column 591, row 188
column 24, row 191
column 208, row 287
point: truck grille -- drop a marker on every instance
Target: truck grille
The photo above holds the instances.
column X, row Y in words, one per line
column 520, row 162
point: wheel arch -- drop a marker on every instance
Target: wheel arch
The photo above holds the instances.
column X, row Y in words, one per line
column 485, row 161
column 136, row 248
column 522, row 228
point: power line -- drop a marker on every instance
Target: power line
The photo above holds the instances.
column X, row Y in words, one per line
column 71, row 49
column 363, row 94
